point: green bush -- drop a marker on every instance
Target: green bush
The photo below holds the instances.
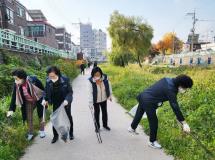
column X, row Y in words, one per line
column 12, row 135
column 197, row 106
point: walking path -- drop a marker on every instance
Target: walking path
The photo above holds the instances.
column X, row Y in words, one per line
column 117, row 144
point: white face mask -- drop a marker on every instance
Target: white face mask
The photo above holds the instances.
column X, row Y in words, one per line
column 18, row 82
column 54, row 80
column 97, row 78
column 181, row 90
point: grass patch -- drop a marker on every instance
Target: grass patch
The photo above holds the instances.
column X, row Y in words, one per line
column 197, row 106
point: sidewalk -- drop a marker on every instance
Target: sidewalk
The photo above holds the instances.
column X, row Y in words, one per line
column 117, row 144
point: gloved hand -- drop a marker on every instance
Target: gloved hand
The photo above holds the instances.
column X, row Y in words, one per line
column 9, row 113
column 110, row 98
column 44, row 103
column 91, row 104
column 65, row 103
column 185, row 127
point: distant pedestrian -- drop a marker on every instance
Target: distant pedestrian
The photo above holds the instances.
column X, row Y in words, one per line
column 89, row 64
column 95, row 64
column 82, row 67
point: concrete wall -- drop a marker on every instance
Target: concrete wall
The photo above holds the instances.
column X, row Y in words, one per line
column 186, row 60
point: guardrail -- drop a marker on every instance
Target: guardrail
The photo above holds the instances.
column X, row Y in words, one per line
column 13, row 41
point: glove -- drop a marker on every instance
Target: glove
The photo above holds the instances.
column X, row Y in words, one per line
column 9, row 113
column 44, row 103
column 90, row 104
column 186, row 127
column 65, row 103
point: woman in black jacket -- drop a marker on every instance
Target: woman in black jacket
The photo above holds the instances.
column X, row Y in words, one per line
column 58, row 91
column 99, row 92
column 27, row 93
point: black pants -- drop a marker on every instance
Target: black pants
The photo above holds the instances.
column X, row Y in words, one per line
column 82, row 71
column 103, row 106
column 152, row 118
column 68, row 112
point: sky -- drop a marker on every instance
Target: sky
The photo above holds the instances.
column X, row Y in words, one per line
column 163, row 15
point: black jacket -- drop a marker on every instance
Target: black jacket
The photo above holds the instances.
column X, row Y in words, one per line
column 106, row 84
column 34, row 80
column 161, row 91
column 66, row 90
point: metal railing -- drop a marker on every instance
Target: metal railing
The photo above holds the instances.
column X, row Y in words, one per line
column 11, row 40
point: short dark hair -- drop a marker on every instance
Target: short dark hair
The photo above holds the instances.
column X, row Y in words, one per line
column 20, row 73
column 183, row 81
column 96, row 69
column 54, row 69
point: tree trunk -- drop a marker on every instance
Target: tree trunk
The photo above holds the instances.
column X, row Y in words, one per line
column 139, row 62
column 122, row 62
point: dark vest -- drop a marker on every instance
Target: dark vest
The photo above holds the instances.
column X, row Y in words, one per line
column 95, row 92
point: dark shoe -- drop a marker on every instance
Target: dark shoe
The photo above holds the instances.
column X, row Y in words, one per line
column 64, row 138
column 107, row 128
column 71, row 137
column 97, row 130
column 55, row 139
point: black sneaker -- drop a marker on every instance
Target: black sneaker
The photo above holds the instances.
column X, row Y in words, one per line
column 71, row 137
column 55, row 139
column 97, row 130
column 107, row 128
column 64, row 138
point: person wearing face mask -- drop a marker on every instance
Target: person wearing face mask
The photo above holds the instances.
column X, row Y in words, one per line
column 27, row 93
column 58, row 92
column 150, row 99
column 99, row 92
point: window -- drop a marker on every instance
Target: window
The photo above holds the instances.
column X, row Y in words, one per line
column 9, row 17
column 35, row 31
column 21, row 30
column 50, row 30
column 20, row 11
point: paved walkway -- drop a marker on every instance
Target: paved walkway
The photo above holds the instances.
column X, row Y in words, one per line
column 117, row 144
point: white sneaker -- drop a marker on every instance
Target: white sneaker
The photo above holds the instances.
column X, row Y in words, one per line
column 132, row 131
column 155, row 145
column 42, row 134
column 30, row 137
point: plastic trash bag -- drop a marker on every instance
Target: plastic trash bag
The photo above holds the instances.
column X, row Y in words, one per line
column 133, row 111
column 60, row 121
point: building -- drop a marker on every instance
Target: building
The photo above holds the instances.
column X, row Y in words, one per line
column 37, row 15
column 13, row 16
column 93, row 42
column 99, row 43
column 40, row 30
column 195, row 39
column 99, row 40
column 86, row 35
column 63, row 39
column 75, row 48
column 86, row 38
column 209, row 46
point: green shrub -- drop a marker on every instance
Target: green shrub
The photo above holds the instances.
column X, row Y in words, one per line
column 197, row 106
column 12, row 135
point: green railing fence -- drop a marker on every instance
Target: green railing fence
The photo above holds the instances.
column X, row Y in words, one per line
column 13, row 41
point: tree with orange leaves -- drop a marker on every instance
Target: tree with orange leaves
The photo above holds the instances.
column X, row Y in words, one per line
column 169, row 44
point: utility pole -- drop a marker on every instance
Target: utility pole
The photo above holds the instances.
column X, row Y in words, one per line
column 193, row 14
column 173, row 42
